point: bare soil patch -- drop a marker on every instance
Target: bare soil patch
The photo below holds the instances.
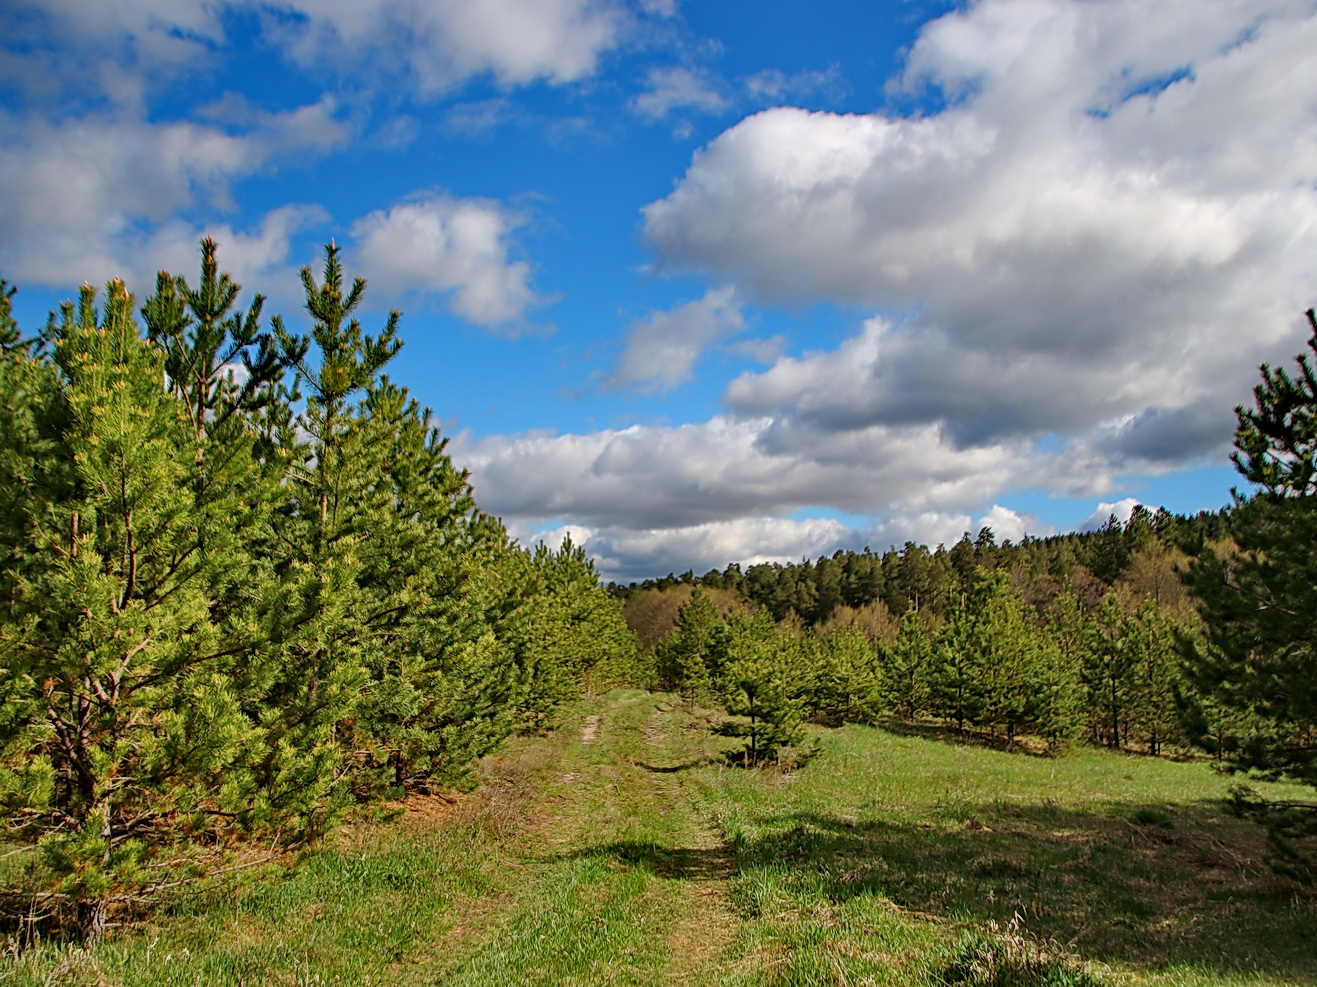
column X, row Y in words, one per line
column 590, row 729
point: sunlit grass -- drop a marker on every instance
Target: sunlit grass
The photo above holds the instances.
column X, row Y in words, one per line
column 642, row 858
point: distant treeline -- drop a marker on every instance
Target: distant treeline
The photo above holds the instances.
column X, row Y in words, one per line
column 1070, row 636
column 937, row 581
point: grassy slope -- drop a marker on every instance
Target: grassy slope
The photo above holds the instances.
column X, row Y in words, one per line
column 634, row 858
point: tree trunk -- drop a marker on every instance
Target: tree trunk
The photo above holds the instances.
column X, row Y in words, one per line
column 93, row 918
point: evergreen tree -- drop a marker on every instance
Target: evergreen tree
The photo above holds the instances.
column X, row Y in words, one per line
column 761, row 678
column 847, row 680
column 561, row 625
column 1155, row 714
column 1259, row 655
column 682, row 658
column 908, row 668
column 123, row 732
column 1110, row 669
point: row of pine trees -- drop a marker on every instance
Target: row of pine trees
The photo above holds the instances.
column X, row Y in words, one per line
column 1107, row 668
column 244, row 587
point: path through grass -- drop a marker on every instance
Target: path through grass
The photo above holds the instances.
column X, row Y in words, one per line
column 621, row 850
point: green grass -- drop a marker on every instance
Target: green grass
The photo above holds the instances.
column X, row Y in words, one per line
column 642, row 858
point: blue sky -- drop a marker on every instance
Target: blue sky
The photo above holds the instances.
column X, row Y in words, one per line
column 722, row 281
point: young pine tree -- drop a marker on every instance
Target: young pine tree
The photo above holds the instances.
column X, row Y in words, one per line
column 124, row 732
column 682, row 658
column 908, row 665
column 761, row 678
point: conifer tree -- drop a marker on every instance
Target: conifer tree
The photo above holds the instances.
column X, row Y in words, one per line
column 909, row 666
column 761, row 679
column 847, row 680
column 560, row 625
column 1259, row 653
column 1111, row 671
column 1155, row 714
column 682, row 658
column 121, row 729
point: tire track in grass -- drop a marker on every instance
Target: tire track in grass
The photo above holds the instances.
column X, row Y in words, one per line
column 706, row 923
column 623, row 883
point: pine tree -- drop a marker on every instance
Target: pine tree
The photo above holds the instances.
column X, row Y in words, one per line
column 122, row 730
column 1259, row 655
column 847, row 680
column 561, row 624
column 908, row 665
column 1110, row 668
column 682, row 658
column 761, row 679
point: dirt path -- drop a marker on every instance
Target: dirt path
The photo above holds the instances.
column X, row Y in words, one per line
column 621, row 880
column 706, row 923
column 590, row 729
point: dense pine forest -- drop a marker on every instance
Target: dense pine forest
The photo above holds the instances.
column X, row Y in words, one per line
column 247, row 596
column 245, row 590
column 1072, row 636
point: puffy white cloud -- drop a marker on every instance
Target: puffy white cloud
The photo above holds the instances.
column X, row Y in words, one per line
column 120, row 48
column 1097, row 239
column 651, row 477
column 1120, row 510
column 93, row 198
column 627, row 554
column 661, row 350
column 439, row 43
column 677, row 87
column 445, row 244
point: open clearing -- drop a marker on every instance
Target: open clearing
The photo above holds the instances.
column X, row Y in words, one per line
column 621, row 850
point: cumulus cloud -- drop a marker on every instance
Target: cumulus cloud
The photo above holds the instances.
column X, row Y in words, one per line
column 121, row 47
column 115, row 49
column 443, row 244
column 439, row 45
column 661, row 350
column 646, row 477
column 626, row 554
column 1097, row 239
column 1120, row 510
column 93, row 198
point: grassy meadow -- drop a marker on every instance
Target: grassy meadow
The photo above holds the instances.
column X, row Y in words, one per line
column 621, row 849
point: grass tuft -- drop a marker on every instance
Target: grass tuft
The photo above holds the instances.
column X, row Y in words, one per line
column 1011, row 957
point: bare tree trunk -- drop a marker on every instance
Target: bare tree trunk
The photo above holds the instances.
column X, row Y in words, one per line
column 92, row 920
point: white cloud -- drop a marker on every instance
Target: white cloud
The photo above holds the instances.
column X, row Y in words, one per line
column 93, row 198
column 122, row 49
column 1098, row 239
column 627, row 554
column 444, row 244
column 69, row 51
column 440, row 44
column 661, row 350
column 677, row 87
column 1120, row 510
column 646, row 477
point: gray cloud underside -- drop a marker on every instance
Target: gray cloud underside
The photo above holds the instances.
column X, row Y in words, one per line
column 666, row 477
